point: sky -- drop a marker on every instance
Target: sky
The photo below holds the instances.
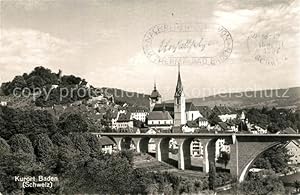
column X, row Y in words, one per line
column 102, row 41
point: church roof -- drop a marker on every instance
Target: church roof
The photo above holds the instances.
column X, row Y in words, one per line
column 189, row 106
column 179, row 87
column 159, row 115
column 155, row 93
column 167, row 106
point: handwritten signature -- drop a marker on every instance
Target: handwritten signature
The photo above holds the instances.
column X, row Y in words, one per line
column 169, row 45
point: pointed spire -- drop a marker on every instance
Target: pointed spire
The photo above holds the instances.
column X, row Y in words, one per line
column 155, row 85
column 179, row 87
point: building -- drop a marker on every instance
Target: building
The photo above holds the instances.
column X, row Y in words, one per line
column 192, row 112
column 294, row 150
column 151, row 143
column 115, row 117
column 155, row 98
column 179, row 104
column 196, row 125
column 124, row 121
column 224, row 113
column 221, row 146
column 180, row 110
column 3, row 103
column 226, row 127
column 202, row 122
column 139, row 114
column 293, row 147
column 205, row 111
column 161, row 120
column 196, row 148
column 107, row 144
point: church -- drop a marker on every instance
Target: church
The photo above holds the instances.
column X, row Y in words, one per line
column 180, row 111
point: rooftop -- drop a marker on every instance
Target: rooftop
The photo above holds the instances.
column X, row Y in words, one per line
column 159, row 115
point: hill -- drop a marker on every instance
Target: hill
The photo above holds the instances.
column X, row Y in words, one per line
column 132, row 98
column 281, row 98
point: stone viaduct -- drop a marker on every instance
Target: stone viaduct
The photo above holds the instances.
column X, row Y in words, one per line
column 244, row 148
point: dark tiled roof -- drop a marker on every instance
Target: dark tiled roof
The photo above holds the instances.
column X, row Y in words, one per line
column 138, row 109
column 223, row 125
column 200, row 119
column 124, row 117
column 104, row 140
column 289, row 130
column 192, row 123
column 155, row 94
column 223, row 110
column 189, row 106
column 204, row 110
column 167, row 106
column 159, row 115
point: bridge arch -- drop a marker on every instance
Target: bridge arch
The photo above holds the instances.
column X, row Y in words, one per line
column 162, row 149
column 141, row 144
column 246, row 167
column 123, row 143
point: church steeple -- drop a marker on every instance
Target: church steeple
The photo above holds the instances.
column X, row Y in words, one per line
column 155, row 97
column 179, row 103
column 179, row 87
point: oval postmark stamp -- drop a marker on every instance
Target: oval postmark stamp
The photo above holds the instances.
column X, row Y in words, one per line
column 266, row 48
column 187, row 44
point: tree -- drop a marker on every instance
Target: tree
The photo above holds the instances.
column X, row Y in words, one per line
column 264, row 182
column 297, row 186
column 4, row 147
column 48, row 77
column 15, row 164
column 93, row 142
column 20, row 143
column 212, row 176
column 17, row 83
column 43, row 147
column 276, row 158
column 80, row 144
column 73, row 123
column 223, row 158
column 263, row 163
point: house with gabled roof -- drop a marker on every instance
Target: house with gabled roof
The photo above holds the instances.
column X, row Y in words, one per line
column 225, row 113
column 160, row 120
column 124, row 121
column 205, row 111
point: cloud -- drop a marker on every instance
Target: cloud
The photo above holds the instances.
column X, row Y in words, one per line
column 243, row 18
column 30, row 48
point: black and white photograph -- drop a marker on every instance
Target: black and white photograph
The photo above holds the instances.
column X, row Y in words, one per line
column 150, row 97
